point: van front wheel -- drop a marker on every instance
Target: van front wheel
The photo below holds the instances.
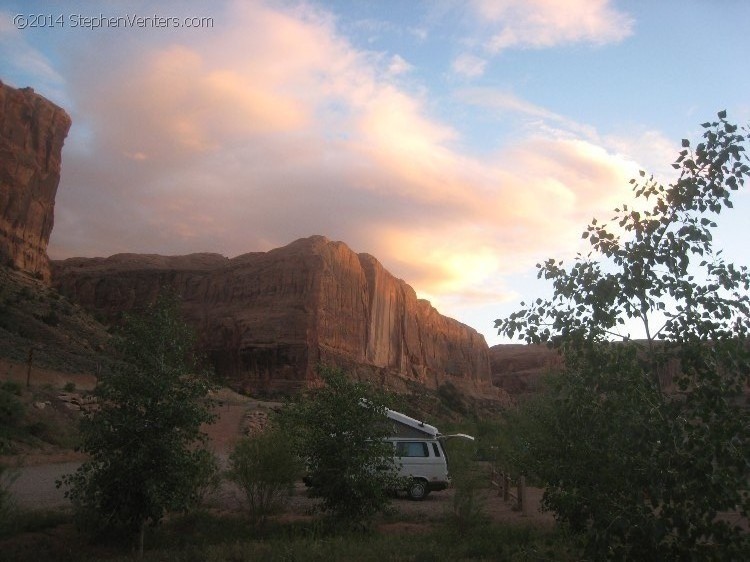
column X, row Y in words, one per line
column 417, row 490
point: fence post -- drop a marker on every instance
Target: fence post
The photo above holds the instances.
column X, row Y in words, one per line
column 522, row 494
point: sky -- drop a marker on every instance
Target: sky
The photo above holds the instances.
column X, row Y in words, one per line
column 460, row 142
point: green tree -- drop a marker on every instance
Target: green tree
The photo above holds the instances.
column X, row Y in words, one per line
column 339, row 431
column 644, row 444
column 144, row 439
column 265, row 467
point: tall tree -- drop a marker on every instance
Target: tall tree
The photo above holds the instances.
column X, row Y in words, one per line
column 644, row 446
column 144, row 438
column 339, row 431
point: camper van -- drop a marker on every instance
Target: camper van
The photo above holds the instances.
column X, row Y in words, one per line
column 420, row 455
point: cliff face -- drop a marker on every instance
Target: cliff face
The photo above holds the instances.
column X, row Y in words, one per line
column 519, row 369
column 269, row 319
column 32, row 132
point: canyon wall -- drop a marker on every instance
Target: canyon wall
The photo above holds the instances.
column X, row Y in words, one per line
column 269, row 319
column 520, row 368
column 32, row 132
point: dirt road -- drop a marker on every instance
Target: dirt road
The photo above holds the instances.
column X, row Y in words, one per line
column 34, row 486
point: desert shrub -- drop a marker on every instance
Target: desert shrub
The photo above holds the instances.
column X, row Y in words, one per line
column 12, row 386
column 264, row 466
column 24, row 294
column 451, row 397
column 469, row 481
column 7, row 506
column 69, row 386
column 51, row 318
column 11, row 409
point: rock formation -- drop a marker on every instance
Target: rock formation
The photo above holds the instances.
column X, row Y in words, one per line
column 32, row 132
column 519, row 369
column 268, row 319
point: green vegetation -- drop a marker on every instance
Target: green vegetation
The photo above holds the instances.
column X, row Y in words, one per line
column 339, row 430
column 34, row 316
column 469, row 480
column 6, row 500
column 265, row 468
column 642, row 444
column 11, row 412
column 144, row 439
column 204, row 537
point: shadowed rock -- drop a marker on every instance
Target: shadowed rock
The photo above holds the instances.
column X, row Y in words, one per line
column 268, row 319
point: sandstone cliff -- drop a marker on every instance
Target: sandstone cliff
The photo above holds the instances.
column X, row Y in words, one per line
column 269, row 319
column 519, row 369
column 32, row 132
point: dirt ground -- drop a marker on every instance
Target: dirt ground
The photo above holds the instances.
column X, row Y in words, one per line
column 18, row 372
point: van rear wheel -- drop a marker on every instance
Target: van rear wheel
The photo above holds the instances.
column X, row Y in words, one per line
column 417, row 490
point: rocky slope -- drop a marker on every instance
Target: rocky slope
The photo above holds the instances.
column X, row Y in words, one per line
column 37, row 323
column 32, row 132
column 267, row 320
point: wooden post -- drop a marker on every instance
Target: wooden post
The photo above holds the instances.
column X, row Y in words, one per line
column 522, row 494
column 506, row 487
column 28, row 371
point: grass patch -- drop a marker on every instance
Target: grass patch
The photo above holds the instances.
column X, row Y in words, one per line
column 204, row 536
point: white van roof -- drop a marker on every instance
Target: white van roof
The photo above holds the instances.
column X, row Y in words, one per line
column 427, row 429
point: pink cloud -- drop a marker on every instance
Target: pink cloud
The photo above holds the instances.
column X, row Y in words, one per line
column 546, row 23
column 279, row 128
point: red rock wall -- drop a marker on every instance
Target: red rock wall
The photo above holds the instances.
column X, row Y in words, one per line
column 32, row 132
column 269, row 319
column 520, row 369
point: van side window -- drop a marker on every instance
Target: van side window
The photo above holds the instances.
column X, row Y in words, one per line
column 436, row 449
column 411, row 449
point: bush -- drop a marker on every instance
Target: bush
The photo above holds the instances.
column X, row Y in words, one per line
column 265, row 468
column 451, row 397
column 11, row 386
column 7, row 505
column 69, row 387
column 467, row 509
column 51, row 318
column 11, row 409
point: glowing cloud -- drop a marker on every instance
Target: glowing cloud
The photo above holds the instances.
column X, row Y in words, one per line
column 279, row 128
column 540, row 24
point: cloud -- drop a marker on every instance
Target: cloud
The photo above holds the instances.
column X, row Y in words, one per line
column 505, row 102
column 539, row 24
column 469, row 65
column 398, row 66
column 246, row 141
